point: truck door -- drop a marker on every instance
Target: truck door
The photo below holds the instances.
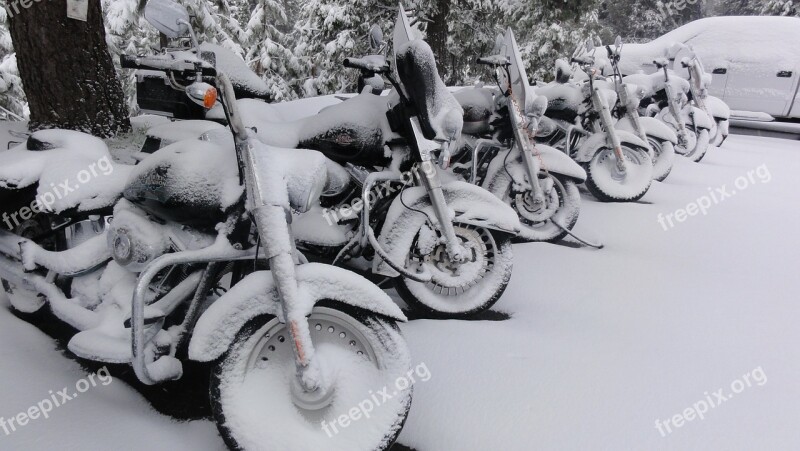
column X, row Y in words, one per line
column 754, row 87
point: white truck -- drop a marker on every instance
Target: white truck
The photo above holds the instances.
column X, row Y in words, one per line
column 754, row 60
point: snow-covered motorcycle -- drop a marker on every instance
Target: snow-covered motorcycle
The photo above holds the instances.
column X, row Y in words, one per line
column 289, row 343
column 500, row 154
column 395, row 213
column 453, row 260
column 659, row 137
column 667, row 99
column 579, row 122
column 699, row 81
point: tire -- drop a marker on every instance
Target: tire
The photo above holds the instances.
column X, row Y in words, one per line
column 461, row 297
column 701, row 148
column 664, row 159
column 562, row 205
column 255, row 406
column 721, row 134
column 607, row 184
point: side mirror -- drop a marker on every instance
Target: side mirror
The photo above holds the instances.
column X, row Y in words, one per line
column 375, row 38
column 168, row 17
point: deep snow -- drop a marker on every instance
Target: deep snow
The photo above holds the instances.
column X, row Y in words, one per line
column 600, row 343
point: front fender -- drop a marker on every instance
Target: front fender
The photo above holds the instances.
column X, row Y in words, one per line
column 701, row 118
column 553, row 161
column 599, row 141
column 257, row 295
column 469, row 204
column 652, row 127
column 719, row 109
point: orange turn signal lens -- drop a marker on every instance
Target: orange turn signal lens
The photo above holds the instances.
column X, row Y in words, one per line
column 210, row 98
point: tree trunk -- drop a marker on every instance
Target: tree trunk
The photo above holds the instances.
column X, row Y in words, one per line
column 437, row 35
column 66, row 69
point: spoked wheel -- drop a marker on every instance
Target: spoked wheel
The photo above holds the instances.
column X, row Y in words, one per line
column 458, row 290
column 701, row 146
column 685, row 147
column 259, row 405
column 562, row 205
column 608, row 183
column 664, row 153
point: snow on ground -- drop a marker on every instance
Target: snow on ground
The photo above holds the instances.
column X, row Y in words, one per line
column 599, row 346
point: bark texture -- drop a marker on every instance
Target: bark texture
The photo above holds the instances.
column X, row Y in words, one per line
column 66, row 69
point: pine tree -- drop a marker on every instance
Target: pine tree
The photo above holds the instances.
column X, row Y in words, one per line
column 330, row 31
column 128, row 33
column 265, row 41
column 635, row 21
column 12, row 96
column 460, row 32
column 551, row 29
column 782, row 8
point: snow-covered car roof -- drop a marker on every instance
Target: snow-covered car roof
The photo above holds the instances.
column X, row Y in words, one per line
column 723, row 42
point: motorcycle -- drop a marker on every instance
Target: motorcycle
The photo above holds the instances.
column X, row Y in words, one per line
column 667, row 100
column 198, row 263
column 499, row 152
column 699, row 81
column 659, row 137
column 395, row 213
column 578, row 121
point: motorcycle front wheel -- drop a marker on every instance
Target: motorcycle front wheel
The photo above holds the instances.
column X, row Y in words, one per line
column 562, row 205
column 608, row 184
column 701, row 146
column 458, row 290
column 721, row 132
column 258, row 404
column 664, row 158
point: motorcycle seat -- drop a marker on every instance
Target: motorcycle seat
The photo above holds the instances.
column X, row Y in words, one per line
column 563, row 100
column 73, row 170
column 352, row 131
column 478, row 105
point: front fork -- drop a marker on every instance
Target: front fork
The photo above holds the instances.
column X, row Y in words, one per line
column 673, row 109
column 433, row 185
column 273, row 222
column 526, row 148
column 633, row 113
column 607, row 123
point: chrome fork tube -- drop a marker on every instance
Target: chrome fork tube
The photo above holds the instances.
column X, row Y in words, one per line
column 433, row 185
column 608, row 124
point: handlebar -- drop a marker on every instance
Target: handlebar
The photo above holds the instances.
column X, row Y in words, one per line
column 583, row 61
column 164, row 64
column 661, row 63
column 494, row 60
column 365, row 65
